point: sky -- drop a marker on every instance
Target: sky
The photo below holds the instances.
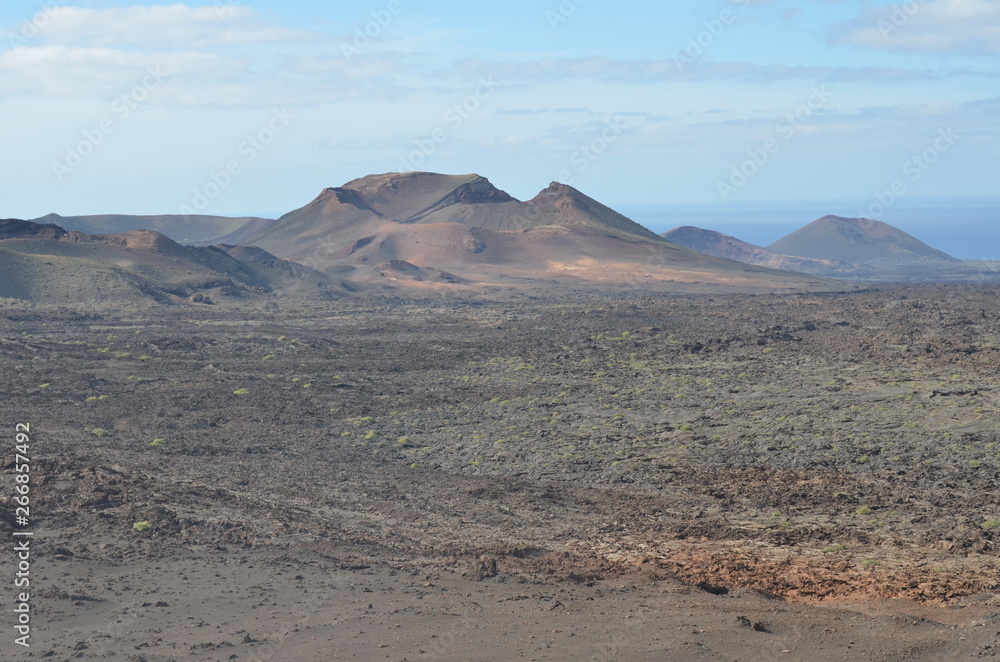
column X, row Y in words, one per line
column 243, row 107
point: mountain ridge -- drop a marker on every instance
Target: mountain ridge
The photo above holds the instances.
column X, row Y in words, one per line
column 383, row 232
column 44, row 262
column 466, row 227
column 718, row 244
column 184, row 229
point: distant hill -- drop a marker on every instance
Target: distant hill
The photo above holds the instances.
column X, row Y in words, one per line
column 286, row 277
column 47, row 264
column 843, row 248
column 240, row 236
column 564, row 205
column 462, row 231
column 422, row 198
column 415, row 232
column 181, row 228
column 858, row 241
column 718, row 244
column 13, row 228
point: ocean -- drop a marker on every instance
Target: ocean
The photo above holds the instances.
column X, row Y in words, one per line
column 966, row 228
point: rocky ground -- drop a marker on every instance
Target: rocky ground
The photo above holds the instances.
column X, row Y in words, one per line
column 710, row 477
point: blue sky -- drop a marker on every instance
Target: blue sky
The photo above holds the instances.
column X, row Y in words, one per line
column 246, row 107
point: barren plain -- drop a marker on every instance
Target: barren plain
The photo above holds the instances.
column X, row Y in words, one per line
column 669, row 477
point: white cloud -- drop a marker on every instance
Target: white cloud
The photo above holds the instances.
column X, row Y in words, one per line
column 667, row 70
column 372, row 66
column 161, row 26
column 99, row 53
column 969, row 27
column 189, row 79
column 95, row 72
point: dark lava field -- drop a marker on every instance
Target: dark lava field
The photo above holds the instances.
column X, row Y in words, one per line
column 752, row 477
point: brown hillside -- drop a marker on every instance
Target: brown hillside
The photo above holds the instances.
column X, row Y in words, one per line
column 465, row 226
column 857, row 241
